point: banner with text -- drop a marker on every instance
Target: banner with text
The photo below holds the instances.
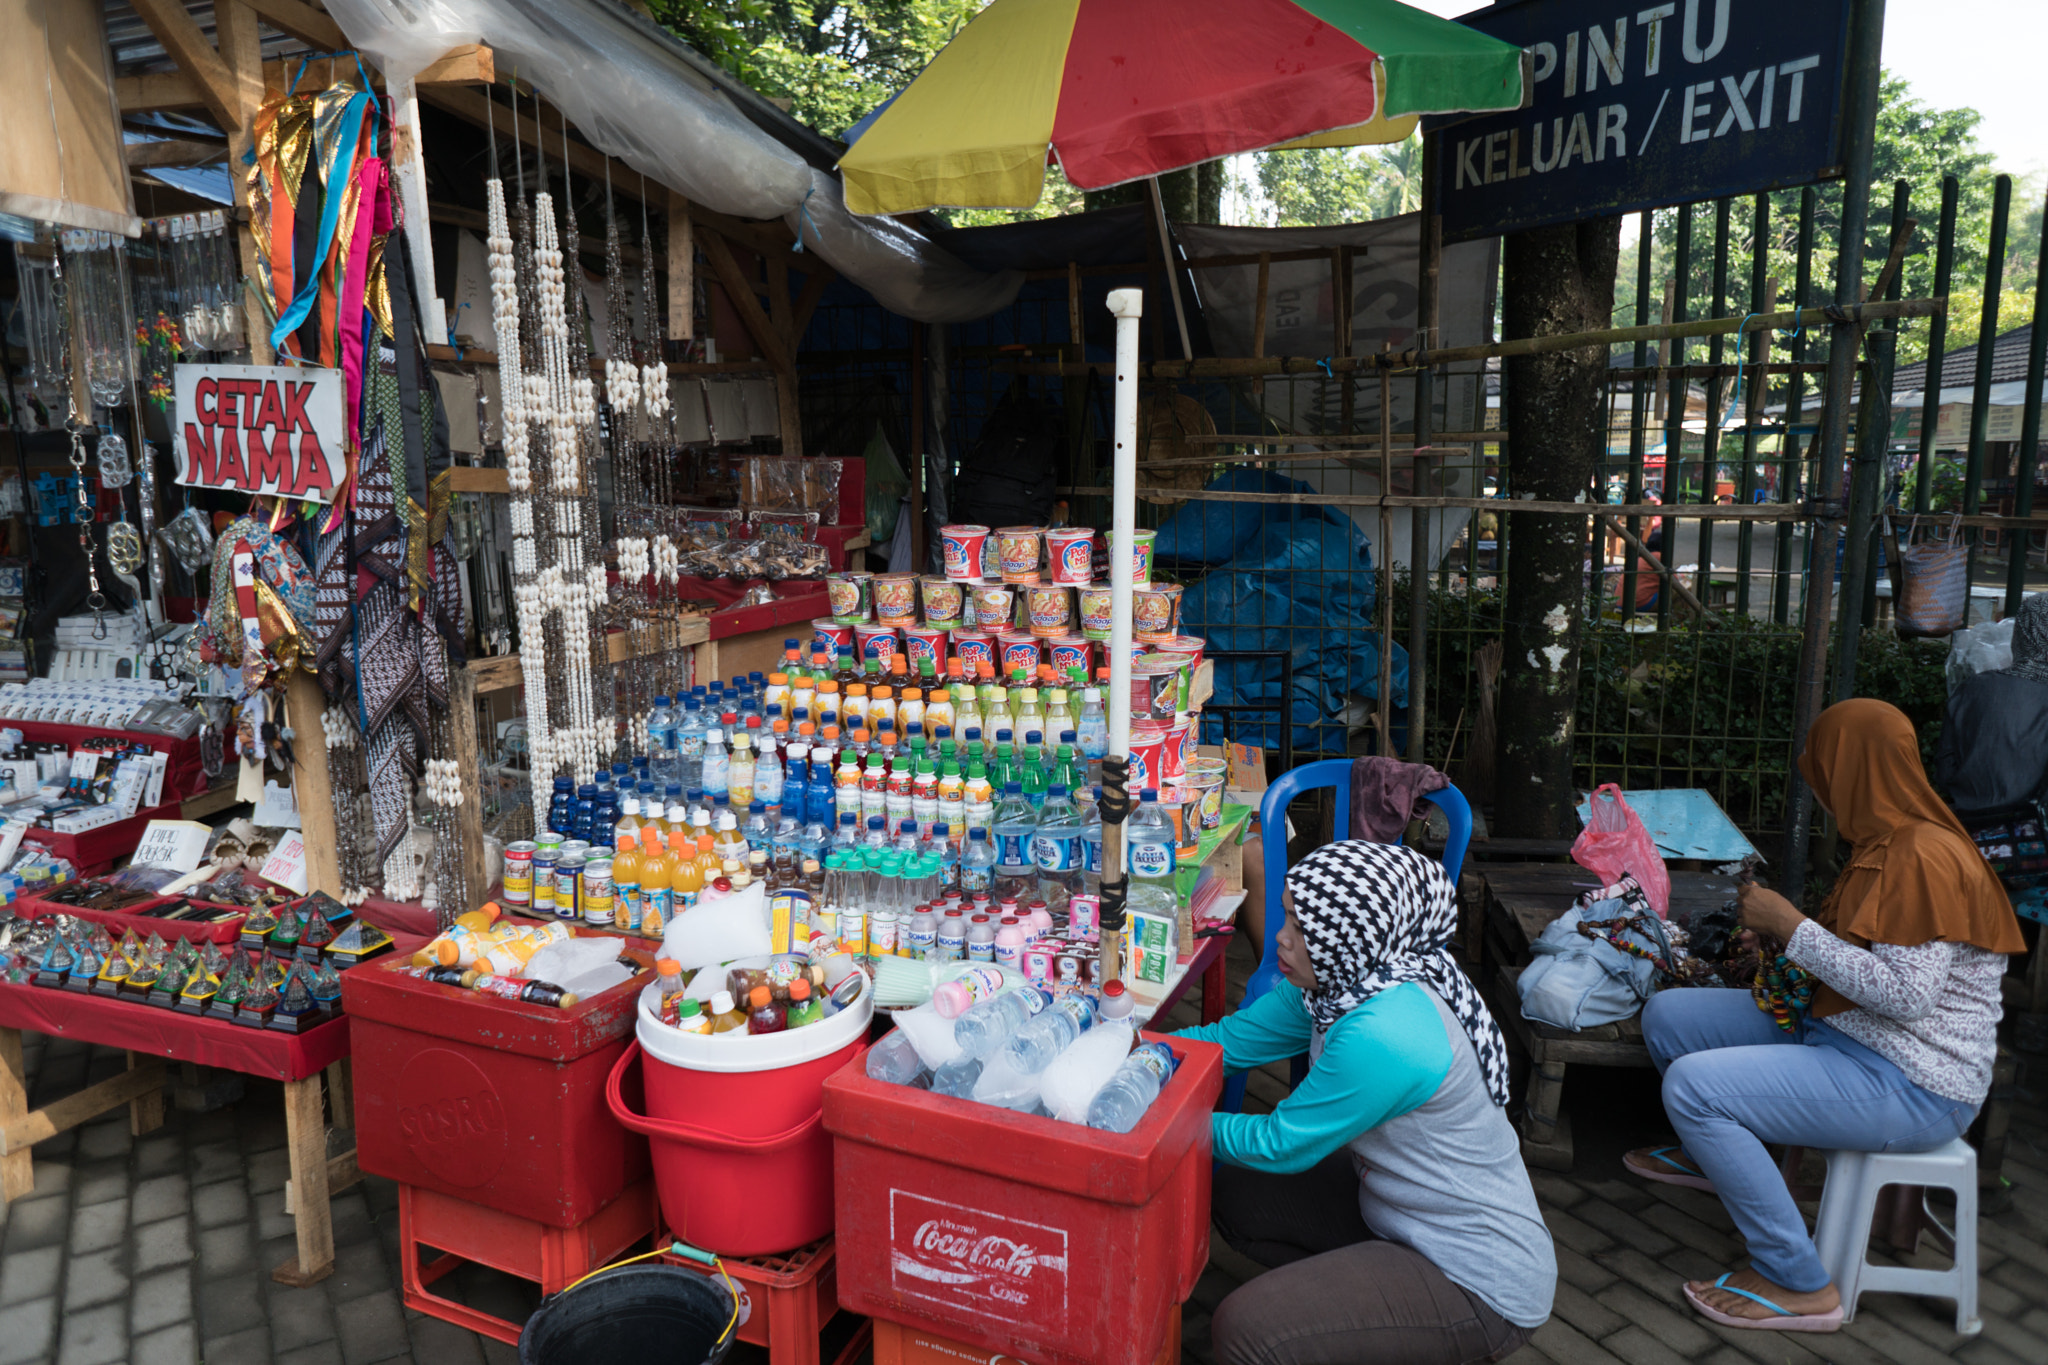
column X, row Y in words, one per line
column 1642, row 106
column 273, row 429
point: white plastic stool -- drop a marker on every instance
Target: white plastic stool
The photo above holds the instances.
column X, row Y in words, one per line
column 1849, row 1202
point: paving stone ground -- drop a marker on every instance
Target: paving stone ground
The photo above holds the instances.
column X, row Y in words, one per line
column 158, row 1250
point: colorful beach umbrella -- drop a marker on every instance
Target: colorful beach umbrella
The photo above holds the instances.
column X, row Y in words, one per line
column 1117, row 90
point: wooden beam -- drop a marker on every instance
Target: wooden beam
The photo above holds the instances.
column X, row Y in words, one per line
column 305, row 1127
column 470, row 64
column 502, row 673
column 303, row 22
column 682, row 270
column 175, row 28
column 62, row 1115
column 815, row 282
column 464, row 478
column 312, row 788
column 741, row 291
column 241, row 51
column 17, row 1169
column 464, row 743
column 172, row 152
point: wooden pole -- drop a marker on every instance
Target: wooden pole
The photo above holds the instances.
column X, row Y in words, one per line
column 1180, row 316
column 917, row 443
column 1384, row 710
column 682, row 271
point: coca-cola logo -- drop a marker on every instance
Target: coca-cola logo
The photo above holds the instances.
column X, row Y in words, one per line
column 980, row 1263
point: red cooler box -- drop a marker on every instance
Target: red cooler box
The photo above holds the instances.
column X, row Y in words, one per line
column 1038, row 1239
column 492, row 1101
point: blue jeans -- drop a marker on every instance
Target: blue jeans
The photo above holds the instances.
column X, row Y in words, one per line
column 1733, row 1080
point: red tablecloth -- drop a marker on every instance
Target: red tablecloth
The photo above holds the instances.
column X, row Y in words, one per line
column 113, row 1022
column 184, row 777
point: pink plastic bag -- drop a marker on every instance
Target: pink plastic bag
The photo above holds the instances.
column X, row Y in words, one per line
column 1615, row 844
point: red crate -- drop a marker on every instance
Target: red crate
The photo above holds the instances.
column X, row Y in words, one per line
column 786, row 1300
column 896, row 1344
column 553, row 1257
column 1021, row 1235
column 491, row 1101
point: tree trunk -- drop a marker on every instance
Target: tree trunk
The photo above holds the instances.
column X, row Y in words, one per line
column 1191, row 195
column 1559, row 280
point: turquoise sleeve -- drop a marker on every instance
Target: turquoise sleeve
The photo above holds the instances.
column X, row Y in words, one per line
column 1272, row 1028
column 1383, row 1059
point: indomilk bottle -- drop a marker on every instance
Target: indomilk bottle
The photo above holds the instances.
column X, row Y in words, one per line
column 1126, row 1096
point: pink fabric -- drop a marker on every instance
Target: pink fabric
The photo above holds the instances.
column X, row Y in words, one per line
column 373, row 216
column 1383, row 796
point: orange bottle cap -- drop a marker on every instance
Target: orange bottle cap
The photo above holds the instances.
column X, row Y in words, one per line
column 779, row 679
column 831, row 732
column 913, row 694
column 800, row 989
column 806, row 728
column 856, row 689
column 667, row 966
column 860, row 735
column 760, row 996
column 627, row 842
column 828, row 685
column 882, row 692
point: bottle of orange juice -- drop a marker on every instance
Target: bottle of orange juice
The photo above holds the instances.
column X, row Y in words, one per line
column 657, row 898
column 628, row 900
column 685, row 876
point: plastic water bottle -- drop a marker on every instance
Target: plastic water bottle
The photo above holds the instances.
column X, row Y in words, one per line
column 1092, row 729
column 1091, row 845
column 585, row 811
column 688, row 764
column 990, row 1024
column 757, row 831
column 717, row 764
column 1047, row 1034
column 1016, row 823
column 1056, row 844
column 977, row 863
column 1149, row 855
column 562, row 806
column 661, row 737
column 957, row 1078
column 1129, row 1093
column 895, row 1060
column 768, row 776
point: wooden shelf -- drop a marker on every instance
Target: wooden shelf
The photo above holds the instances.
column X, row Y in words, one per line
column 502, row 672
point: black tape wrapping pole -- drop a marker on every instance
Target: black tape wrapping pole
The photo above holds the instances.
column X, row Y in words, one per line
column 1116, row 807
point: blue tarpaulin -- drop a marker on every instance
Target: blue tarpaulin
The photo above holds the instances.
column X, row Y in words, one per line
column 1281, row 576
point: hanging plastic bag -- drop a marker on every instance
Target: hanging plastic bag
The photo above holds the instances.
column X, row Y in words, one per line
column 1614, row 845
column 1936, row 596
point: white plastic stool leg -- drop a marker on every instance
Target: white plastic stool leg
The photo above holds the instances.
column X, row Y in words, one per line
column 1842, row 1231
column 1849, row 1203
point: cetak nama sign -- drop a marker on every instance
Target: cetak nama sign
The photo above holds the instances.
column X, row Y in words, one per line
column 274, row 429
column 1637, row 106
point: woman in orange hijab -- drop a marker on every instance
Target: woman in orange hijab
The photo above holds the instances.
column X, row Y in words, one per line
column 1892, row 1053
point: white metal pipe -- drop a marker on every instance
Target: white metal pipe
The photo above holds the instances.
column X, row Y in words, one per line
column 1128, row 305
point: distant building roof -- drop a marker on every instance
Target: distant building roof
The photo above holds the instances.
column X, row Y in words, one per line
column 1959, row 366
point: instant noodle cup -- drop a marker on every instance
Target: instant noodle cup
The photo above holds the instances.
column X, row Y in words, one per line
column 974, row 648
column 994, row 606
column 1049, row 607
column 828, row 637
column 1148, row 752
column 944, row 601
column 895, row 598
column 1068, row 652
column 1070, row 555
column 1155, row 690
column 926, row 642
column 849, row 594
column 1173, row 759
column 877, row 640
column 1206, row 776
column 1151, row 613
column 1095, row 610
column 1141, row 555
column 963, row 546
column 1190, row 645
column 1019, row 650
column 1017, row 553
column 1184, row 674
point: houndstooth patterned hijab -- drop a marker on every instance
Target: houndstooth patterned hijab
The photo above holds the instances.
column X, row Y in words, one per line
column 1375, row 915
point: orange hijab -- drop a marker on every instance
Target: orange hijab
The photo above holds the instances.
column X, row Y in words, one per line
column 1913, row 874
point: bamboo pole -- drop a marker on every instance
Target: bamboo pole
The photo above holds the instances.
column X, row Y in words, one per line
column 1383, row 710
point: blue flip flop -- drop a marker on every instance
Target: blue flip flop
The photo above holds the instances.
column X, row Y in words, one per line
column 1786, row 1321
column 1687, row 1174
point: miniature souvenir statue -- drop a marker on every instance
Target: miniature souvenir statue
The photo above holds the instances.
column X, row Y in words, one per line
column 256, row 1006
column 326, row 989
column 143, row 975
column 234, row 983
column 56, row 964
column 200, row 988
column 358, row 942
column 256, row 929
column 296, row 1011
column 87, row 957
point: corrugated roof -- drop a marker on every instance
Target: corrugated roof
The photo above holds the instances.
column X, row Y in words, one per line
column 1959, row 367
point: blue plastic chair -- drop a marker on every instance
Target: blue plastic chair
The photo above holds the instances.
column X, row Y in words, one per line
column 1329, row 772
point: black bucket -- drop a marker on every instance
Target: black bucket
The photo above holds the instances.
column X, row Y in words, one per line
column 637, row 1312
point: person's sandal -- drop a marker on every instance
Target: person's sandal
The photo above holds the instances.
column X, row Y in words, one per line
column 1786, row 1321
column 1667, row 1166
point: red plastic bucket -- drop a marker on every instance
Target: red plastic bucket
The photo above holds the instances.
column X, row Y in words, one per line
column 761, row 1181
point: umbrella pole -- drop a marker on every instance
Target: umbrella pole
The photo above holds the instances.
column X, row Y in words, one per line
column 1128, row 305
column 1187, row 350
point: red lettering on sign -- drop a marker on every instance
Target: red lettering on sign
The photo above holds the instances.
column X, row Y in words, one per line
column 295, row 398
column 199, row 455
column 228, row 468
column 226, row 405
column 252, row 399
column 271, row 412
column 202, row 399
column 313, row 475
column 270, row 464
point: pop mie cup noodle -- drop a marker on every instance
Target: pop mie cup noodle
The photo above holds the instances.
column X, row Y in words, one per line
column 1068, row 653
column 1020, row 650
column 851, row 597
column 1148, row 753
column 994, row 606
column 1094, row 612
column 876, row 641
column 828, row 637
column 895, row 599
column 944, row 601
column 1018, row 554
column 926, row 642
column 1206, row 775
column 974, row 648
column 1141, row 555
column 963, row 545
column 1070, row 555
column 1049, row 607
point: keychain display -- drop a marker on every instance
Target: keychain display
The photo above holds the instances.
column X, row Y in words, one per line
column 124, row 549
column 42, row 320
column 97, row 270
column 189, row 538
column 115, row 466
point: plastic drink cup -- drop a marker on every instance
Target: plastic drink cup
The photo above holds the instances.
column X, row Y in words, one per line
column 828, row 637
column 944, row 601
column 1095, row 610
column 895, row 598
column 963, row 546
column 993, row 606
column 1070, row 555
column 1017, row 553
column 850, row 594
column 1141, row 554
column 1049, row 607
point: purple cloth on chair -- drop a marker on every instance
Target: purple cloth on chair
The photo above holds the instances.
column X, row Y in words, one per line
column 1383, row 796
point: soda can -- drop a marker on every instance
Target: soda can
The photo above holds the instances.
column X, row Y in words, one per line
column 519, row 873
column 547, row 852
column 569, row 886
column 598, row 895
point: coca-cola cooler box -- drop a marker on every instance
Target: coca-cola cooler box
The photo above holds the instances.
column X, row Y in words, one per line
column 1047, row 1241
column 493, row 1101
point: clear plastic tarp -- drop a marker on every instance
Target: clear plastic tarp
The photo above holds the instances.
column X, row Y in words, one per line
column 625, row 85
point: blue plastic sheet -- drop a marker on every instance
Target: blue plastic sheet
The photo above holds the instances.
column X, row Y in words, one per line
column 1296, row 578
